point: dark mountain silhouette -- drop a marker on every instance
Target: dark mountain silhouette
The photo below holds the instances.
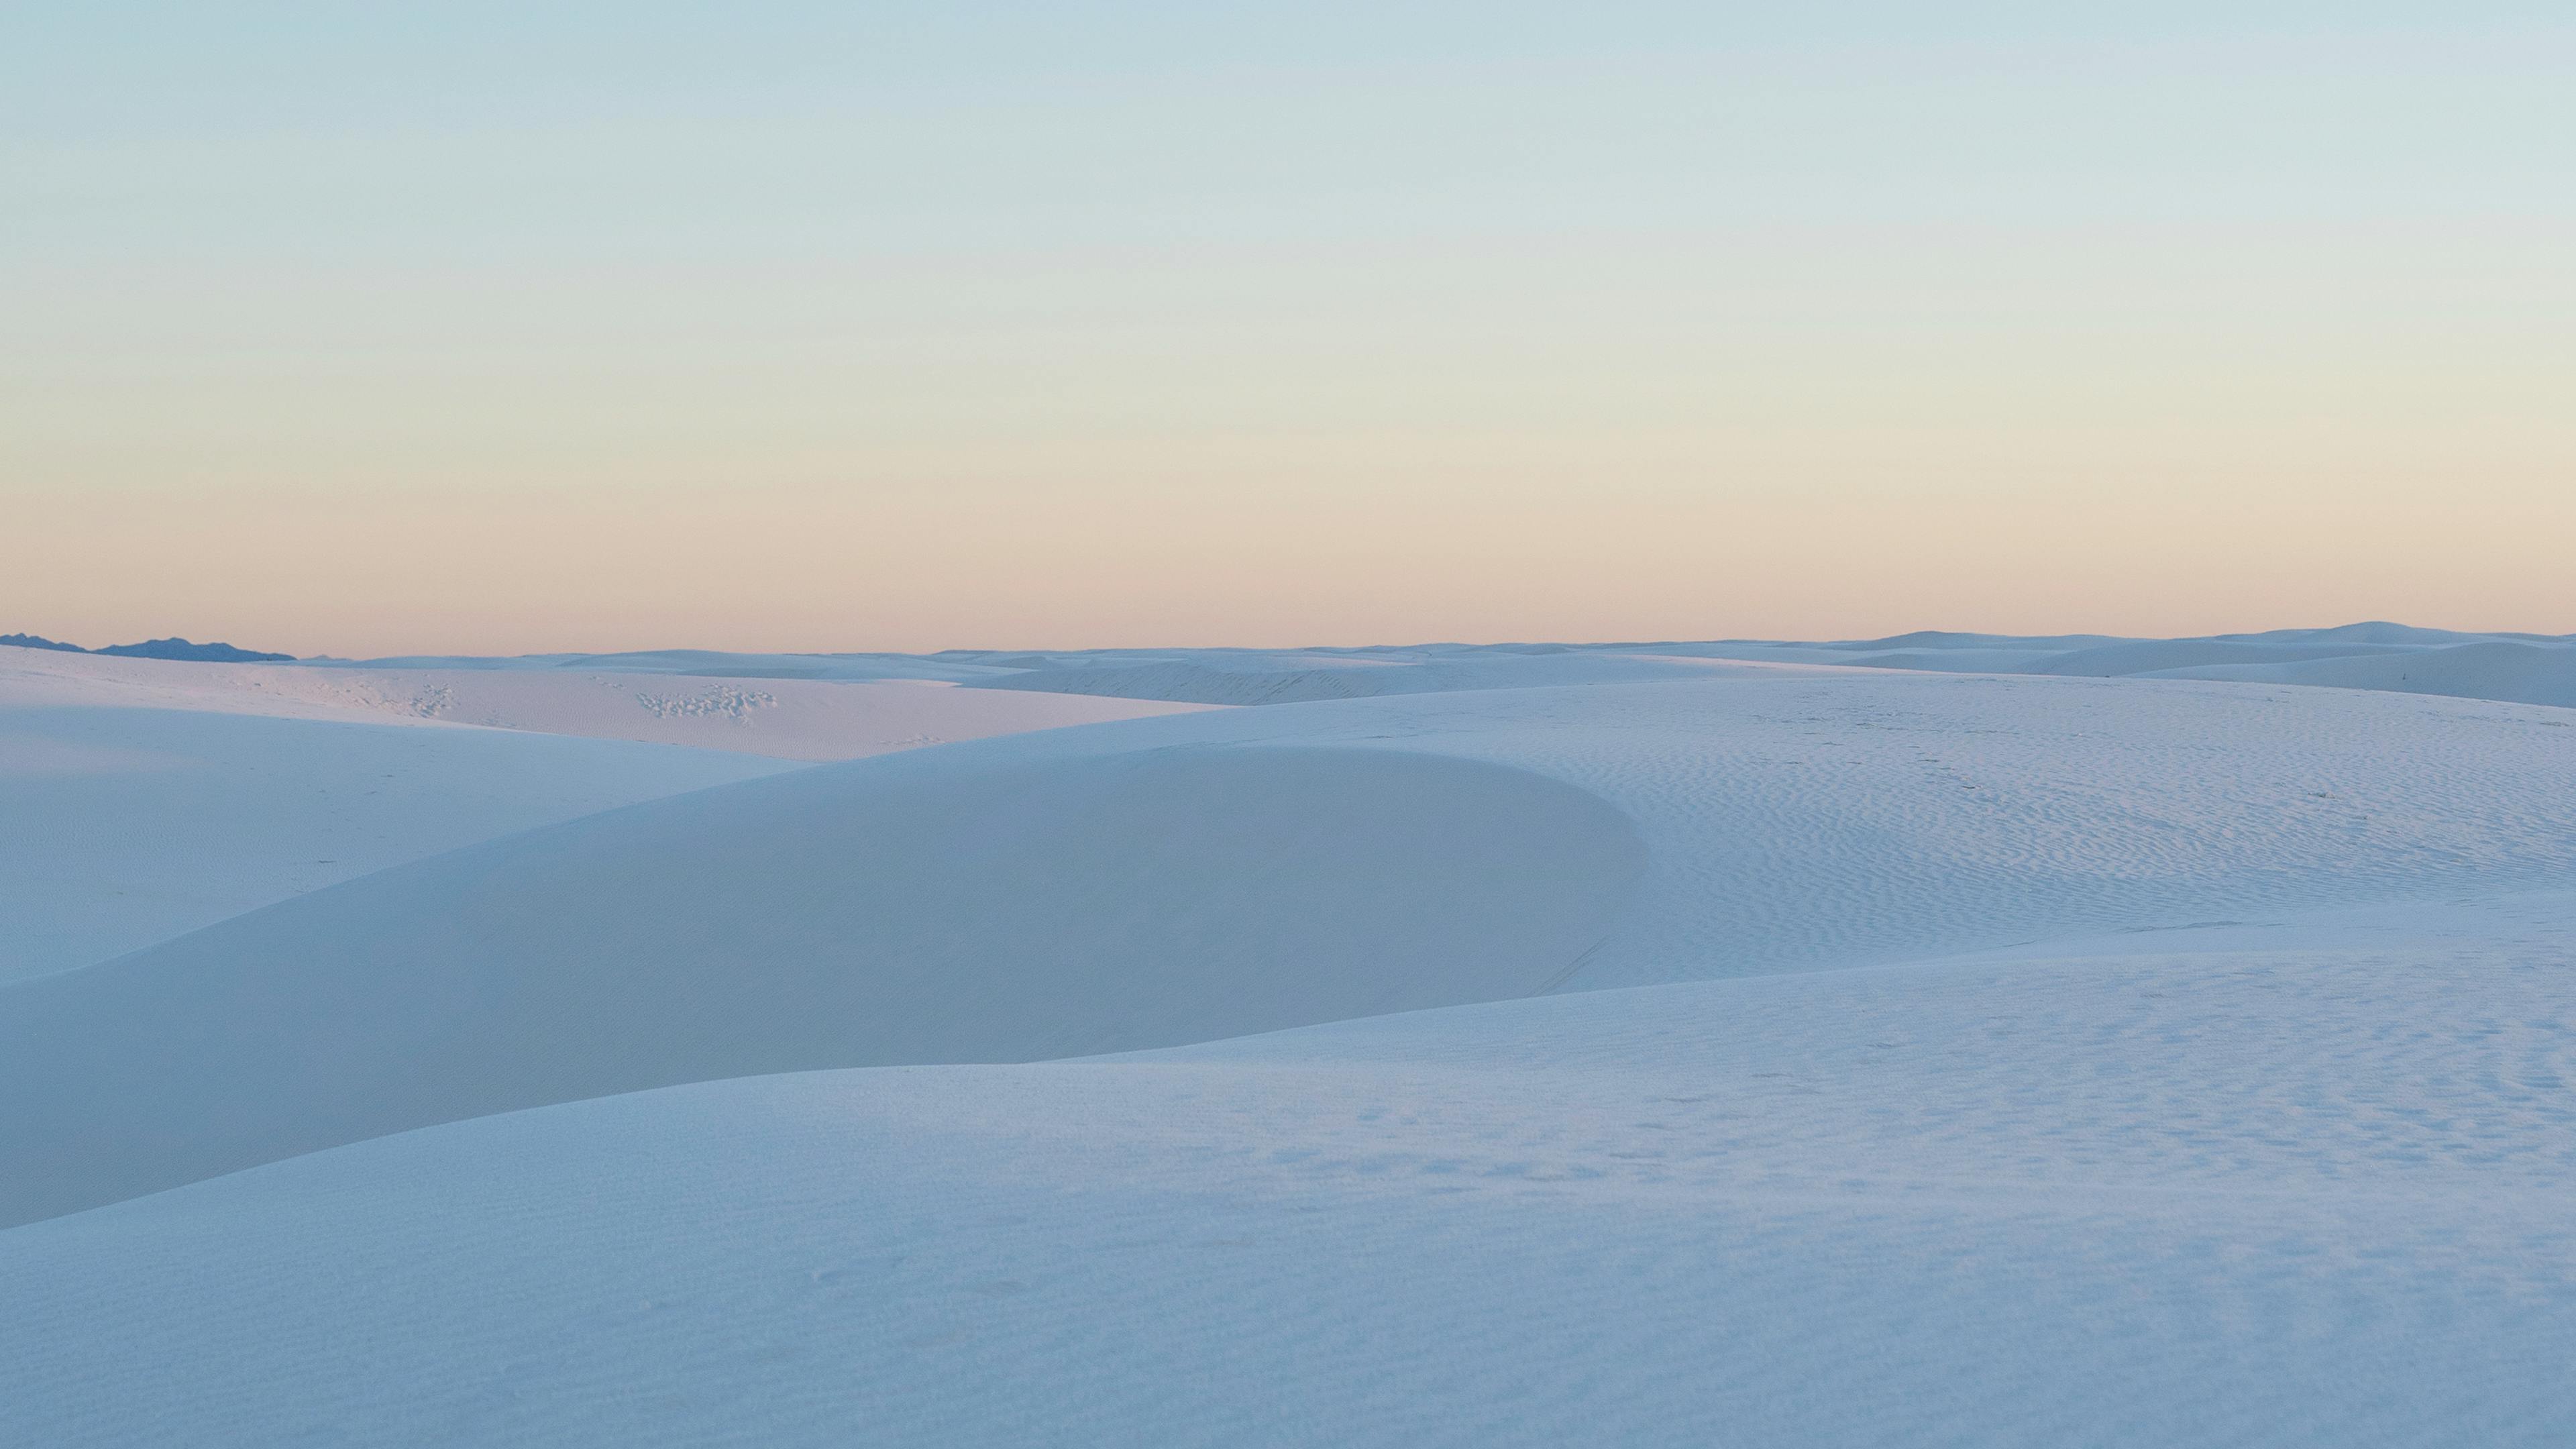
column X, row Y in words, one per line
column 177, row 648
column 38, row 641
column 171, row 648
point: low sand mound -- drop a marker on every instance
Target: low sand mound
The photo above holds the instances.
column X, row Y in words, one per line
column 2147, row 656
column 2295, row 1196
column 1196, row 682
column 1283, row 676
column 795, row 719
column 1217, row 678
column 917, row 909
column 2373, row 631
column 2501, row 669
column 714, row 704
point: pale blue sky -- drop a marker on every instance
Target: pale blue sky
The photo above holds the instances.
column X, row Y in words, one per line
column 362, row 327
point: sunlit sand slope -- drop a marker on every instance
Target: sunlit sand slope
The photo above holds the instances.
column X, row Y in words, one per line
column 2198, row 1198
column 725, row 704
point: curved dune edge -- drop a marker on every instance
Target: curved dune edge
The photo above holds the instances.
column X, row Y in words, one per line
column 121, row 829
column 2043, row 1193
column 985, row 909
column 719, row 705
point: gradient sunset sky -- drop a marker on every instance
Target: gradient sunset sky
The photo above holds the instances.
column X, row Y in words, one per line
column 467, row 328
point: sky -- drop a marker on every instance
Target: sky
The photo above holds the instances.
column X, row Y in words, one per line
column 498, row 328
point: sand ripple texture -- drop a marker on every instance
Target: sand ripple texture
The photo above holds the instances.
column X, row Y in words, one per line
column 1157, row 882
column 2191, row 1199
column 1778, row 1057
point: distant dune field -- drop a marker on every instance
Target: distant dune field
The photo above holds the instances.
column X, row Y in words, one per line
column 1661, row 1044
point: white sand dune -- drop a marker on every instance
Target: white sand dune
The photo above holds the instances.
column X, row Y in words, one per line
column 705, row 663
column 2154, row 656
column 1249, row 678
column 127, row 824
column 1283, row 676
column 2381, row 631
column 1203, row 876
column 795, row 719
column 986, row 909
column 2006, row 1061
column 2290, row 1196
column 2496, row 669
column 146, row 798
column 717, row 702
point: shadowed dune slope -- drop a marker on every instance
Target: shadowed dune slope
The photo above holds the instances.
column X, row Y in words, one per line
column 2291, row 1196
column 992, row 908
column 1200, row 876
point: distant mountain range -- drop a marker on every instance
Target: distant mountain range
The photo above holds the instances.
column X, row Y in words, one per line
column 171, row 648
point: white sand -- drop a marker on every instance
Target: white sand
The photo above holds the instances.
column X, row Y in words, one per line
column 2008, row 1060
column 145, row 798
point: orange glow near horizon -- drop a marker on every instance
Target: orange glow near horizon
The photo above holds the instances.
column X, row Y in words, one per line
column 805, row 570
column 836, row 328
